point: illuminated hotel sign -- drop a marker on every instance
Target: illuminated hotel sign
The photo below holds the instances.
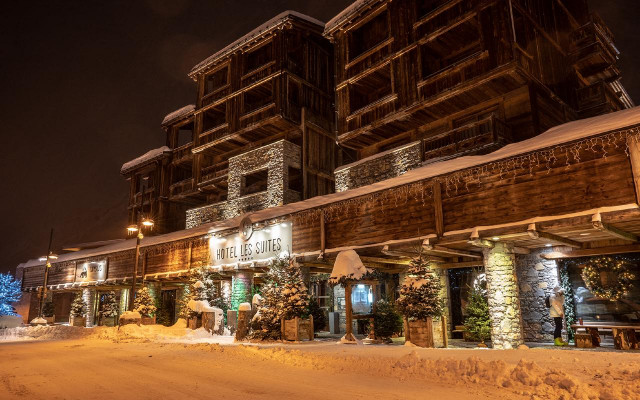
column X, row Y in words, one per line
column 91, row 271
column 251, row 245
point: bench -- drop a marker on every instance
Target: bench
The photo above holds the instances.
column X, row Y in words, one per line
column 624, row 336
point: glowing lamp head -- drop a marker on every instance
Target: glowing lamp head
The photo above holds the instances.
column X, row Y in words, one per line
column 147, row 222
column 132, row 229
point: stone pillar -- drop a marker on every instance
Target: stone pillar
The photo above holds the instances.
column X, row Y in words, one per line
column 241, row 288
column 89, row 297
column 438, row 340
column 504, row 301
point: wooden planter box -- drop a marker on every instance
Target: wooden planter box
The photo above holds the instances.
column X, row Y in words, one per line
column 297, row 329
column 50, row 320
column 77, row 321
column 419, row 333
column 209, row 323
column 108, row 321
column 148, row 320
column 194, row 322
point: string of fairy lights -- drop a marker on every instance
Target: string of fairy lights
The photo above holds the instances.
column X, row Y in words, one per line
column 537, row 161
column 618, row 267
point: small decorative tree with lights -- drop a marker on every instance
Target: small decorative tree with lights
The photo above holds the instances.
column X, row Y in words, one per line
column 145, row 305
column 9, row 293
column 78, row 311
column 420, row 302
column 265, row 324
column 478, row 322
column 109, row 309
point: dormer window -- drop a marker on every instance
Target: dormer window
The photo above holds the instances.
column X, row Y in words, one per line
column 215, row 80
column 258, row 57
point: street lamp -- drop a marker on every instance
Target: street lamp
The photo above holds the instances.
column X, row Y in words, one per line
column 131, row 229
column 47, row 265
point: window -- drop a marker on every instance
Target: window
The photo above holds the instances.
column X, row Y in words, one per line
column 368, row 35
column 475, row 117
column 254, row 182
column 184, row 134
column 370, row 88
column 215, row 80
column 258, row 97
column 257, row 58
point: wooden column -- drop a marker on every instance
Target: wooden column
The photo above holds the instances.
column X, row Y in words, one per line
column 634, row 157
column 348, row 336
column 437, row 207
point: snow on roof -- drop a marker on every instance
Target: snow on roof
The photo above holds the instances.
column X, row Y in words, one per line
column 147, row 157
column 179, row 113
column 565, row 133
column 270, row 24
column 348, row 265
column 346, row 13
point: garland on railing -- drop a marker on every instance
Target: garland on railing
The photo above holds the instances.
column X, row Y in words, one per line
column 569, row 299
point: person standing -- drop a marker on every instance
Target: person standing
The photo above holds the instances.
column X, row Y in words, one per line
column 556, row 311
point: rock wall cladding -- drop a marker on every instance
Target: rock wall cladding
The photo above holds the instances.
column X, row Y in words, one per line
column 537, row 278
column 275, row 158
column 379, row 167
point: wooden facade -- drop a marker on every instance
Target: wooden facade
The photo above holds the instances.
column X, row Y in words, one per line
column 475, row 73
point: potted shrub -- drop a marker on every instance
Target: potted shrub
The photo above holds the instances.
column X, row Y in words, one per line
column 387, row 321
column 78, row 311
column 109, row 310
column 420, row 302
column 296, row 323
column 48, row 312
column 145, row 306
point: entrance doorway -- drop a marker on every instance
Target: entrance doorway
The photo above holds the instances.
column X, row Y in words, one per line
column 461, row 283
column 169, row 305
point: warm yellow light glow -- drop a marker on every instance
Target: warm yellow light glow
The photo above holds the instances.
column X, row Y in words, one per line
column 53, row 257
column 132, row 228
column 147, row 222
column 495, row 238
column 42, row 259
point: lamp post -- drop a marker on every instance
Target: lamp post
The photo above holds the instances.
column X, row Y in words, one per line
column 137, row 228
column 47, row 259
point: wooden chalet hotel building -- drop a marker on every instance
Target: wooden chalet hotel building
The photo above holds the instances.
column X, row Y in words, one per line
column 495, row 135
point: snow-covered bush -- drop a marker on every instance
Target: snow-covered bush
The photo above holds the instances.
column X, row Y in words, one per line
column 144, row 302
column 420, row 292
column 295, row 296
column 386, row 319
column 78, row 306
column 9, row 293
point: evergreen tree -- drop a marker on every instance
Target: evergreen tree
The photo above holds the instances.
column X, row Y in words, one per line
column 183, row 301
column 477, row 321
column 48, row 310
column 319, row 316
column 420, row 292
column 266, row 322
column 295, row 296
column 110, row 305
column 9, row 293
column 79, row 306
column 386, row 319
column 144, row 303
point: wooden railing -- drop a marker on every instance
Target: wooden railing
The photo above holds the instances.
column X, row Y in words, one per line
column 455, row 74
column 213, row 134
column 182, row 151
column 487, row 133
column 212, row 172
column 184, row 186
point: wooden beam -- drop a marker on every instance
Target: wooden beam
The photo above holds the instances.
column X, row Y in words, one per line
column 437, row 206
column 536, row 234
column 456, row 252
column 611, row 230
column 634, row 158
column 598, row 251
column 483, row 243
column 521, row 250
column 463, row 264
column 385, row 260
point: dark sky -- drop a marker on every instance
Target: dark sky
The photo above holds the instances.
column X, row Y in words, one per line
column 85, row 84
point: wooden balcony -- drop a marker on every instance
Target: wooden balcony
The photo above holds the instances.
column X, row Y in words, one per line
column 182, row 189
column 478, row 137
column 597, row 99
column 136, row 199
column 182, row 153
column 594, row 51
column 454, row 75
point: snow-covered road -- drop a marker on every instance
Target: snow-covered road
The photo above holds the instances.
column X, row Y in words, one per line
column 107, row 364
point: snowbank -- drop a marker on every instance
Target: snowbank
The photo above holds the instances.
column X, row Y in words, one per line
column 10, row 321
column 244, row 307
column 348, row 265
column 201, row 306
column 146, row 157
column 130, row 316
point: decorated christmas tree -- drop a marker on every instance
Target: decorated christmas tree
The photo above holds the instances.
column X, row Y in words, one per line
column 110, row 305
column 295, row 296
column 386, row 319
column 144, row 303
column 183, row 301
column 477, row 322
column 9, row 293
column 78, row 306
column 266, row 322
column 420, row 292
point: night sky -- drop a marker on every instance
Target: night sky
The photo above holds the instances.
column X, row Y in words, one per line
column 85, row 85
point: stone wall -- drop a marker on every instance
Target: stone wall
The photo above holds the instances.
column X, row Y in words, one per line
column 89, row 297
column 276, row 158
column 537, row 278
column 379, row 167
column 503, row 296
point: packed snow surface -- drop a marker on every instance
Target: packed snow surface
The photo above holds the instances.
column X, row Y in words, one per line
column 179, row 113
column 348, row 265
column 201, row 306
column 174, row 362
column 244, row 307
column 130, row 315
